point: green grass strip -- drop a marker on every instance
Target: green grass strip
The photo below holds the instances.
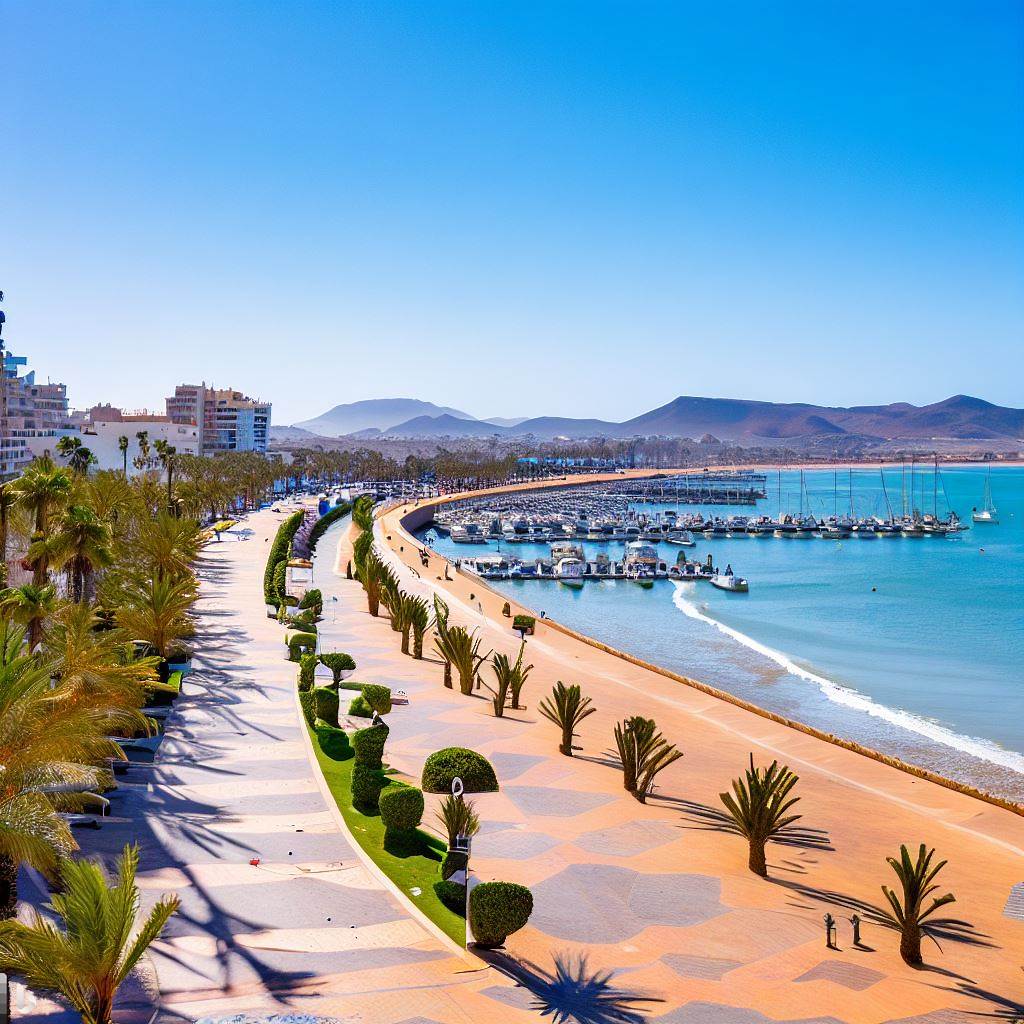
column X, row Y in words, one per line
column 413, row 865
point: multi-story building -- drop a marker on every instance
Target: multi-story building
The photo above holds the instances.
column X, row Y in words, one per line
column 228, row 421
column 106, row 424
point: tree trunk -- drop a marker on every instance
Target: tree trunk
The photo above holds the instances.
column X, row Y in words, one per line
column 448, row 674
column 372, row 603
column 8, row 888
column 757, row 862
column 910, row 945
column 417, row 645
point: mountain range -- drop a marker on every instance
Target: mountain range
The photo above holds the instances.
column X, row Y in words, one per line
column 960, row 417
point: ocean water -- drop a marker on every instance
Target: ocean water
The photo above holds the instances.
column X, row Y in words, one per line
column 912, row 646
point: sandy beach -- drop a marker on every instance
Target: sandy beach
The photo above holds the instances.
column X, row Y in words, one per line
column 661, row 891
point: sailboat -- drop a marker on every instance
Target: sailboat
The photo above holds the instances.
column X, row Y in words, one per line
column 988, row 514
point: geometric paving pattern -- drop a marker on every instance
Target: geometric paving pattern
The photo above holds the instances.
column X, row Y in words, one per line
column 628, row 839
column 511, row 844
column 604, row 903
column 706, row 968
column 1015, row 904
column 557, row 803
column 851, row 976
column 717, row 1013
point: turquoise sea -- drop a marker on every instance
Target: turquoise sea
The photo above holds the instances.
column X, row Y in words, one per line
column 911, row 646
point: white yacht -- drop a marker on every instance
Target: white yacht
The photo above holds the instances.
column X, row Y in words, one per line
column 988, row 514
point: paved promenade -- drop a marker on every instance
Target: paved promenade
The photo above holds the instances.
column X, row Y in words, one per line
column 310, row 929
column 652, row 906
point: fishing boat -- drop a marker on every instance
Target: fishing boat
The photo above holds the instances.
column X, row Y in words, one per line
column 681, row 537
column 988, row 514
column 729, row 581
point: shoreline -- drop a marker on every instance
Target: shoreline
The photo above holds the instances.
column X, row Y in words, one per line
column 871, row 753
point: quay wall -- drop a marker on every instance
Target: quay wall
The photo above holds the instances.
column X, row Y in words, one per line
column 418, row 516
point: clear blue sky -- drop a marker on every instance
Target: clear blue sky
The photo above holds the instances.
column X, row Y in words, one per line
column 516, row 209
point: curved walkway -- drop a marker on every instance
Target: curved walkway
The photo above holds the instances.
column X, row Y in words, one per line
column 658, row 897
column 310, row 929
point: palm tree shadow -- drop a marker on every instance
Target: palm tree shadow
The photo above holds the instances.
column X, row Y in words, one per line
column 570, row 993
column 1006, row 1009
column 710, row 819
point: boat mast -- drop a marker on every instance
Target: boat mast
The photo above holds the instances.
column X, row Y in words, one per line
column 851, row 493
column 935, row 486
column 885, row 493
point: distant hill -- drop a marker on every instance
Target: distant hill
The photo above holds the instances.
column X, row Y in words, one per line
column 738, row 420
column 379, row 413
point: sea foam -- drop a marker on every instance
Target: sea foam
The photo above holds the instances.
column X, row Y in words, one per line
column 982, row 749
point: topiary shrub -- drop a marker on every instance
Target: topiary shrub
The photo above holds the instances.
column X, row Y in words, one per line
column 401, row 808
column 281, row 581
column 454, row 860
column 358, row 708
column 333, row 742
column 369, row 745
column 307, row 671
column 378, row 697
column 337, row 662
column 367, row 784
column 497, row 910
column 299, row 644
column 313, row 601
column 279, row 555
column 305, row 622
column 474, row 769
column 308, row 705
column 325, row 700
column 452, row 895
column 524, row 623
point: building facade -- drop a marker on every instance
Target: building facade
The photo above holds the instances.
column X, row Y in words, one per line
column 227, row 420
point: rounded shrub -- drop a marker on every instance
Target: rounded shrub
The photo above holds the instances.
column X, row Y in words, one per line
column 367, row 784
column 313, row 600
column 369, row 745
column 497, row 910
column 325, row 700
column 378, row 697
column 474, row 769
column 452, row 895
column 454, row 860
column 307, row 671
column 358, row 708
column 308, row 705
column 401, row 808
column 337, row 662
column 333, row 742
column 299, row 644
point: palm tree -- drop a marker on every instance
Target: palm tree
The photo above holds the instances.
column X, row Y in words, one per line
column 167, row 454
column 142, row 460
column 441, row 644
column 157, row 613
column 401, row 617
column 917, row 880
column 758, row 806
column 510, row 677
column 8, row 498
column 371, row 575
column 122, row 444
column 29, row 606
column 41, row 489
column 458, row 818
column 566, row 707
column 167, row 546
column 82, row 546
column 92, row 951
column 463, row 651
column 419, row 619
column 644, row 752
column 51, row 739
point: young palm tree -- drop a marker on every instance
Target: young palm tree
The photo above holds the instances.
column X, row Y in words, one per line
column 401, row 617
column 644, row 752
column 157, row 612
column 758, row 806
column 419, row 619
column 917, row 881
column 371, row 575
column 142, row 460
column 42, row 489
column 391, row 596
column 97, row 942
column 82, row 545
column 122, row 444
column 166, row 547
column 167, row 454
column 566, row 707
column 510, row 677
column 29, row 606
column 464, row 653
column 458, row 818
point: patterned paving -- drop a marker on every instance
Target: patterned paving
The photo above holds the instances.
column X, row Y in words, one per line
column 851, row 976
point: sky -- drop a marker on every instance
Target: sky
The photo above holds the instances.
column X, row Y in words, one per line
column 580, row 209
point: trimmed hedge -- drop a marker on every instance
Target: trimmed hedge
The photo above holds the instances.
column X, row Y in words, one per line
column 325, row 700
column 279, row 553
column 367, row 784
column 326, row 520
column 369, row 745
column 454, row 860
column 401, row 808
column 474, row 769
column 307, row 671
column 358, row 708
column 378, row 697
column 333, row 742
column 524, row 622
column 299, row 644
column 308, row 704
column 452, row 895
column 496, row 910
column 313, row 600
column 281, row 582
column 337, row 662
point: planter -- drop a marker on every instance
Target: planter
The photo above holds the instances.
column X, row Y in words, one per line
column 271, row 611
